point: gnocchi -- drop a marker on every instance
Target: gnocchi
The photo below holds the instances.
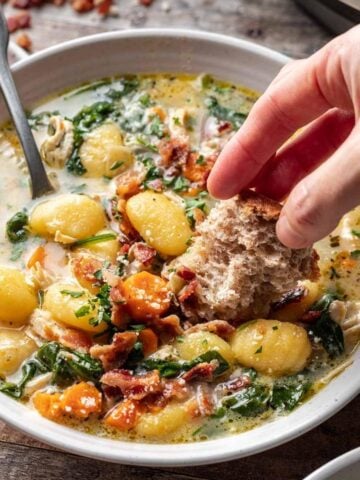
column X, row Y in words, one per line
column 194, row 344
column 73, row 216
column 161, row 222
column 72, row 305
column 103, row 152
column 15, row 347
column 272, row 347
column 166, row 421
column 17, row 298
column 106, row 250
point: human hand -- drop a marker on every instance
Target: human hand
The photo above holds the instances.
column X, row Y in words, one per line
column 319, row 169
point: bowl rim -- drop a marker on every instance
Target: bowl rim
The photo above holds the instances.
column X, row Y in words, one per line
column 146, row 454
column 336, row 465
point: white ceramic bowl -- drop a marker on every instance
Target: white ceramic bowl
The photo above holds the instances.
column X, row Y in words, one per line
column 164, row 51
column 345, row 467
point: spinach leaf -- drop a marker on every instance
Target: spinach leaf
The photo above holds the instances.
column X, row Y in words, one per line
column 29, row 370
column 68, row 365
column 169, row 369
column 16, row 227
column 286, row 395
column 224, row 113
column 102, row 237
column 126, row 86
column 328, row 331
column 196, row 202
column 249, row 401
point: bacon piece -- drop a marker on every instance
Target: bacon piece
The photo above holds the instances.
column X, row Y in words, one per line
column 82, row 6
column 202, row 372
column 21, row 3
column 20, row 20
column 125, row 225
column 135, row 387
column 196, row 172
column 188, row 291
column 294, row 296
column 103, row 6
column 311, row 316
column 220, row 327
column 168, row 327
column 119, row 318
column 224, row 127
column 128, row 184
column 176, row 389
column 84, row 268
column 185, row 273
column 143, row 253
column 173, row 152
column 145, row 3
column 115, row 354
column 233, row 385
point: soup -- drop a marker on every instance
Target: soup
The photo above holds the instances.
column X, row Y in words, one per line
column 93, row 333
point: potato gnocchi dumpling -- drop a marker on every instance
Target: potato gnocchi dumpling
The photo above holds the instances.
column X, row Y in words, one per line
column 194, row 344
column 166, row 421
column 72, row 305
column 17, row 298
column 107, row 249
column 103, row 153
column 161, row 222
column 272, row 347
column 15, row 347
column 73, row 216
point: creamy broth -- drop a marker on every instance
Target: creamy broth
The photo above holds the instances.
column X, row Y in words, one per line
column 112, row 145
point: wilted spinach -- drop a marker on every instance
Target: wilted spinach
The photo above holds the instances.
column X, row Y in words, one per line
column 224, row 113
column 249, row 401
column 328, row 331
column 287, row 394
column 16, row 227
column 171, row 368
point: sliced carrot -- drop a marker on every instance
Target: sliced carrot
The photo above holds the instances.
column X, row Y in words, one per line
column 149, row 340
column 146, row 295
column 81, row 400
column 38, row 255
column 48, row 405
column 124, row 416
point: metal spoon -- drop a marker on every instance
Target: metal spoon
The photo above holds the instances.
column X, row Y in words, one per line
column 40, row 184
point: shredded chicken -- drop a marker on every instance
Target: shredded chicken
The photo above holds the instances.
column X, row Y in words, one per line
column 347, row 315
column 220, row 327
column 59, row 144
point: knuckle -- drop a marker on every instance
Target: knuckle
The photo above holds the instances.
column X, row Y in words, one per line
column 306, row 212
column 280, row 115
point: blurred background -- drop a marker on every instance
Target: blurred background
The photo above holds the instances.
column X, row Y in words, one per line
column 284, row 25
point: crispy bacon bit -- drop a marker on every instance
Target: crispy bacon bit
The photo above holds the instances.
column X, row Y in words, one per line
column 233, row 385
column 143, row 253
column 156, row 185
column 195, row 171
column 220, row 327
column 311, row 316
column 24, row 41
column 145, row 3
column 125, row 225
column 84, row 268
column 128, row 184
column 124, row 416
column 103, row 6
column 185, row 273
column 125, row 248
column 115, row 354
column 168, row 327
column 203, row 372
column 135, row 387
column 188, row 291
column 75, row 339
column 173, row 152
column 294, row 296
column 224, row 126
column 21, row 3
column 176, row 389
column 20, row 20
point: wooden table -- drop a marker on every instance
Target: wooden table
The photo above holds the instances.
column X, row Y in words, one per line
column 279, row 24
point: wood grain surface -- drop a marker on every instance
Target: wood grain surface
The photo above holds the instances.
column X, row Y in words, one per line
column 278, row 24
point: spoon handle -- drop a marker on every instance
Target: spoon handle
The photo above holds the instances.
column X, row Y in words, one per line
column 39, row 180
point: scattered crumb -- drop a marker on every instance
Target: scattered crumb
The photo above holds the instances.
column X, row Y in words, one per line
column 24, row 41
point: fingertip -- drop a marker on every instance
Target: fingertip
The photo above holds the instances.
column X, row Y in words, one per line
column 288, row 236
column 217, row 189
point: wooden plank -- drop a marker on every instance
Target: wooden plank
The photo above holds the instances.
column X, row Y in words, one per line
column 278, row 24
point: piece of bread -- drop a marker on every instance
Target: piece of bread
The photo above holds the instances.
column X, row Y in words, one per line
column 240, row 265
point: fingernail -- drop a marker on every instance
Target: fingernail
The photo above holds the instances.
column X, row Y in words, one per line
column 287, row 235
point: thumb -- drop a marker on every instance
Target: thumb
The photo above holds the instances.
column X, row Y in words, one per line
column 316, row 204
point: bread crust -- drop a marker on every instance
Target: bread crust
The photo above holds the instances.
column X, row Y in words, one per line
column 240, row 265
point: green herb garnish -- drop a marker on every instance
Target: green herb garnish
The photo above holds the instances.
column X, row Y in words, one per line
column 16, row 227
column 101, row 237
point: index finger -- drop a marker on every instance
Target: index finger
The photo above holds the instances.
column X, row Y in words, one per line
column 288, row 104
